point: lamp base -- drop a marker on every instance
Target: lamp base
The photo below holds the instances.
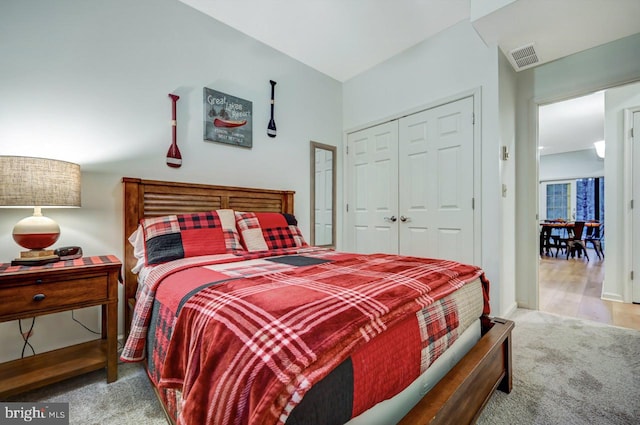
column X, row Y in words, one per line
column 36, row 232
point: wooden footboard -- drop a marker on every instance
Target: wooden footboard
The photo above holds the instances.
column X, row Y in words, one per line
column 463, row 392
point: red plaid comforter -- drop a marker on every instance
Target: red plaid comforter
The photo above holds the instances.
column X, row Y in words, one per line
column 134, row 349
column 257, row 345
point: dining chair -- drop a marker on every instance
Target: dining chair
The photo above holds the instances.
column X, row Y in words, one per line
column 594, row 237
column 559, row 239
column 575, row 243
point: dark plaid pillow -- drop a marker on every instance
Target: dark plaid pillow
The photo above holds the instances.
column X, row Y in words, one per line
column 172, row 237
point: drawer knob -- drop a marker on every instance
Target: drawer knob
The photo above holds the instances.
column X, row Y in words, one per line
column 38, row 281
column 39, row 297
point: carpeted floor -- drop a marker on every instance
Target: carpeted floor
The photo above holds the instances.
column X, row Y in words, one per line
column 565, row 371
column 128, row 401
column 569, row 371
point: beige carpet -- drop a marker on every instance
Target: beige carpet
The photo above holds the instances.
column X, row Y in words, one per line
column 569, row 371
column 128, row 401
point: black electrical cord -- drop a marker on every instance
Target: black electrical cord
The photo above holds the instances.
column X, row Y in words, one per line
column 83, row 325
column 90, row 330
column 26, row 336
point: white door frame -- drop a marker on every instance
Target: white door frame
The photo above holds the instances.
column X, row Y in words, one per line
column 532, row 258
column 630, row 260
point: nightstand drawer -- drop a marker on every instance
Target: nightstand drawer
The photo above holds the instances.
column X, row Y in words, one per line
column 53, row 295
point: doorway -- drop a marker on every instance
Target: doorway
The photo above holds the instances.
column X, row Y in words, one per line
column 571, row 189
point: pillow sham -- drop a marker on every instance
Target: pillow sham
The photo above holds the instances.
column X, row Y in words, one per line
column 172, row 237
column 263, row 231
column 231, row 236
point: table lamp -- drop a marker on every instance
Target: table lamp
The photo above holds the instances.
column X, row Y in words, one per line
column 27, row 182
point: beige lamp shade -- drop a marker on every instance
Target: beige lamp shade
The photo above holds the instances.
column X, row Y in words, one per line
column 38, row 182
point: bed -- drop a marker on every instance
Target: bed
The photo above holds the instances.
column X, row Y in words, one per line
column 306, row 374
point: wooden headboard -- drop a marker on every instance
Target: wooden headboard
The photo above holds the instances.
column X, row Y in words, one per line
column 152, row 198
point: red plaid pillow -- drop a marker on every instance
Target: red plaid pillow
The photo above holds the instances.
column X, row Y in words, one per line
column 172, row 237
column 262, row 231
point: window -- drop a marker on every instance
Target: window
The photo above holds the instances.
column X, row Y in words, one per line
column 559, row 201
column 590, row 199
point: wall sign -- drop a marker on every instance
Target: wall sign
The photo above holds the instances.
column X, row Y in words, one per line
column 227, row 119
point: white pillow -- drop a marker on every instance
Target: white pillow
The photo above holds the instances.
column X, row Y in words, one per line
column 137, row 241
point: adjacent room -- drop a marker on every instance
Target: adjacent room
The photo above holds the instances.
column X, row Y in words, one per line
column 320, row 212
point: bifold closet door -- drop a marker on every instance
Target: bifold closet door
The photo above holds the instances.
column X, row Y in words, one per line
column 372, row 160
column 410, row 185
column 436, row 182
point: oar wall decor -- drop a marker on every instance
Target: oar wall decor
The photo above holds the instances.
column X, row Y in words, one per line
column 174, row 158
column 271, row 128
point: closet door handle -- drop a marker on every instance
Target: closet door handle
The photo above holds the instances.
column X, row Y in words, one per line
column 392, row 219
column 404, row 219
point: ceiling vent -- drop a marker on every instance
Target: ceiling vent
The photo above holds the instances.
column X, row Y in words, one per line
column 524, row 57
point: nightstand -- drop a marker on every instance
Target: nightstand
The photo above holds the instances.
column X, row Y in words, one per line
column 28, row 291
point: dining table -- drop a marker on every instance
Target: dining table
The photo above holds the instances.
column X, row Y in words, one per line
column 547, row 227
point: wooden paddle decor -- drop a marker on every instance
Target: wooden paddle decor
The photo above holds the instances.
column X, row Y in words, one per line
column 174, row 158
column 271, row 129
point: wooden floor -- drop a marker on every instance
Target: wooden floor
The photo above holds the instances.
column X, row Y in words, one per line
column 573, row 288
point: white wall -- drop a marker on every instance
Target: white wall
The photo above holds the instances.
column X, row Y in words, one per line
column 595, row 69
column 571, row 165
column 87, row 82
column 453, row 62
column 508, row 95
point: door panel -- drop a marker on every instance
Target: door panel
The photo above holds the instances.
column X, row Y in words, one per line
column 450, row 242
column 415, row 159
column 373, row 194
column 436, row 182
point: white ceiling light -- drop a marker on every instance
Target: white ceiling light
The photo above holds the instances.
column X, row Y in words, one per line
column 599, row 148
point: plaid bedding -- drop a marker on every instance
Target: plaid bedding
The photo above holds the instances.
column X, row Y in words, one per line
column 134, row 349
column 328, row 338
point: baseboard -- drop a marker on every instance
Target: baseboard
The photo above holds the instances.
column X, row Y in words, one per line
column 510, row 310
column 610, row 296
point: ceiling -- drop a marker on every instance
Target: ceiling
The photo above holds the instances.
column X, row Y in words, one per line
column 343, row 38
column 571, row 125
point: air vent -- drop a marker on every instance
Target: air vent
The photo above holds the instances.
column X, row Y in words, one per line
column 524, row 57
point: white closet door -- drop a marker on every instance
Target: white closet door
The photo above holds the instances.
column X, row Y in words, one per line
column 436, row 182
column 373, row 189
